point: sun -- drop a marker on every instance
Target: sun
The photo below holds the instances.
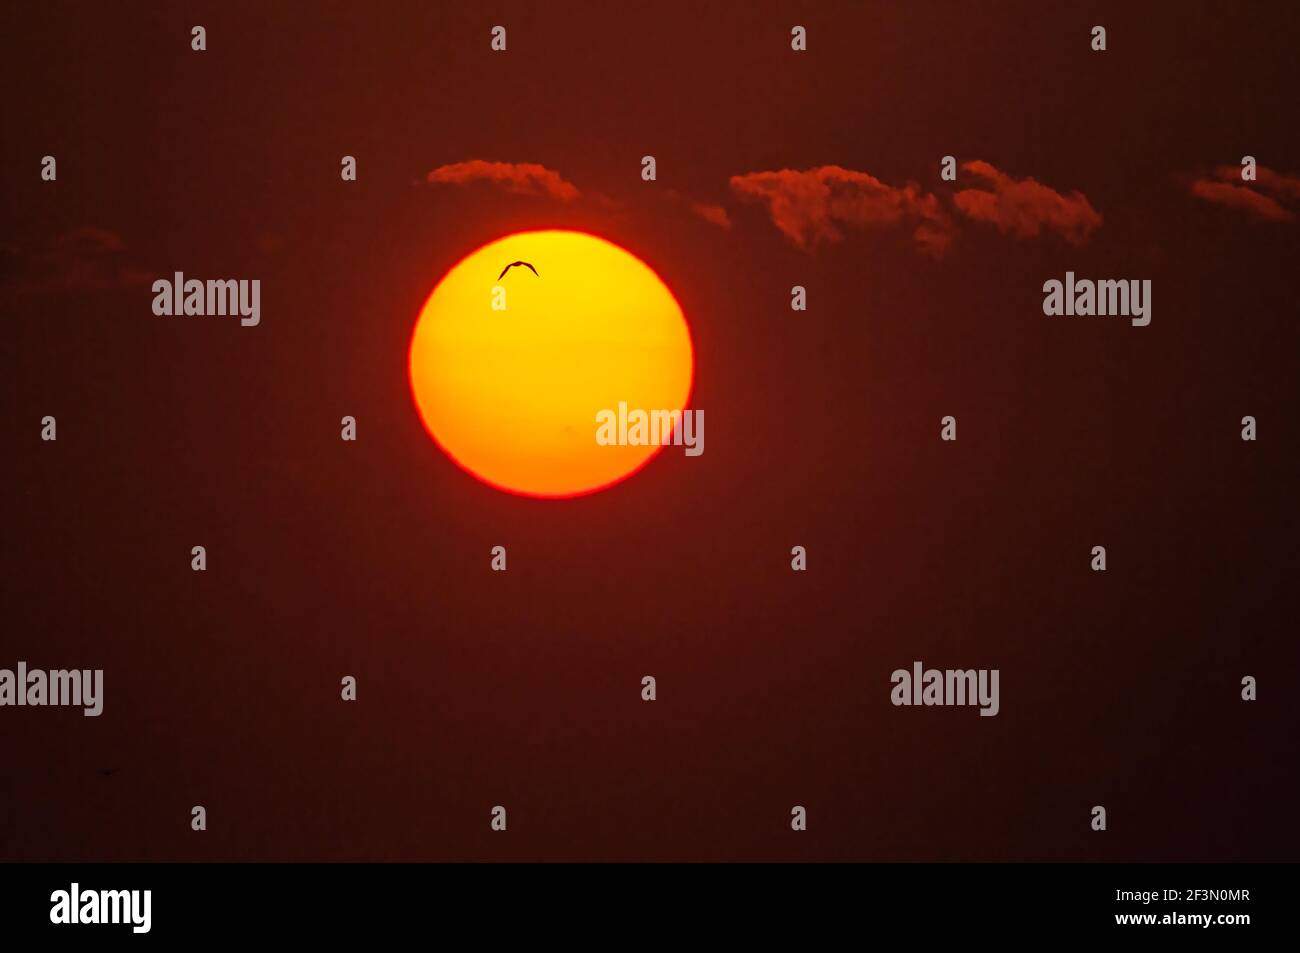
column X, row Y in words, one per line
column 510, row 371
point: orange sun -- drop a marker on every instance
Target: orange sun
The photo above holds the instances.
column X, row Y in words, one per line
column 509, row 373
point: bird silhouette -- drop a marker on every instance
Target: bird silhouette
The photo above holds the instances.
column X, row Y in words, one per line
column 108, row 772
column 513, row 264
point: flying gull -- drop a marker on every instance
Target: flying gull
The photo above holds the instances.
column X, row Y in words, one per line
column 512, row 265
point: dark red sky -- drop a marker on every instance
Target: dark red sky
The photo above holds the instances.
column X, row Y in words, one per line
column 522, row 688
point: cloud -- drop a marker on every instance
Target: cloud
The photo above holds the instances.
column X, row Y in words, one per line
column 84, row 258
column 815, row 205
column 1227, row 189
column 521, row 178
column 714, row 214
column 1288, row 186
column 1025, row 207
column 1241, row 198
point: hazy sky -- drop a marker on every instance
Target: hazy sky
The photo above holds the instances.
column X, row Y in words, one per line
column 522, row 689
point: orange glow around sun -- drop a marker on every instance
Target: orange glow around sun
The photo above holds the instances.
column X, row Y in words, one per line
column 512, row 393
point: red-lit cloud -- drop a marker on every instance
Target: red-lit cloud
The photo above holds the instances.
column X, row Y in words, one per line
column 1241, row 198
column 816, row 205
column 1287, row 186
column 714, row 214
column 1228, row 190
column 1025, row 207
column 521, row 178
